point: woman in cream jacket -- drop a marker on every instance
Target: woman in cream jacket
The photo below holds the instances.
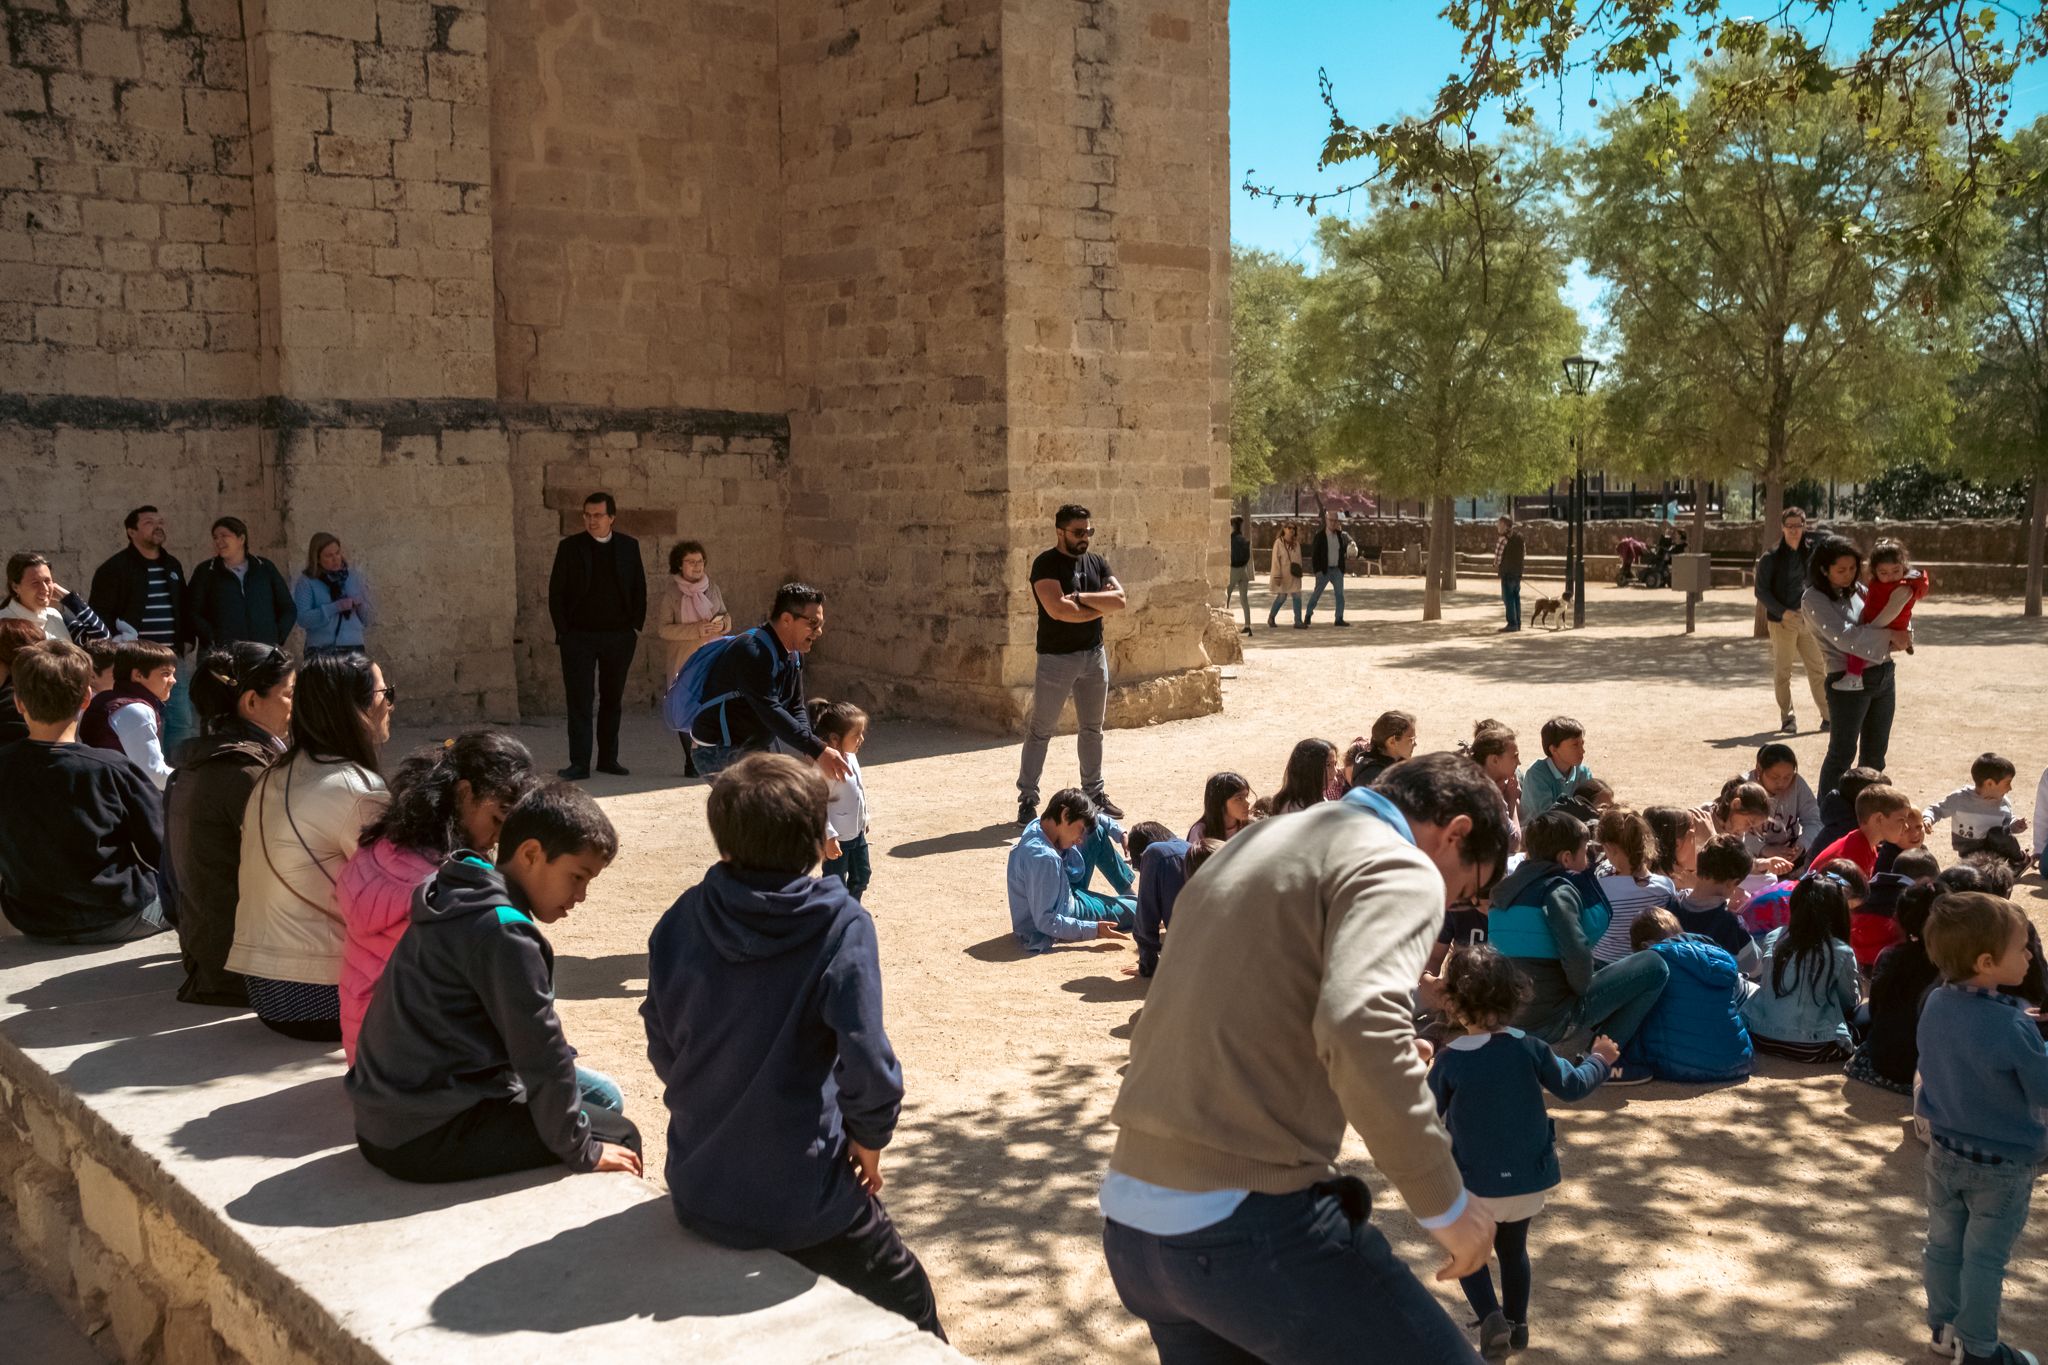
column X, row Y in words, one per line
column 303, row 822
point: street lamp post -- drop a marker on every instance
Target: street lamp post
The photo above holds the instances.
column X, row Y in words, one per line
column 1579, row 371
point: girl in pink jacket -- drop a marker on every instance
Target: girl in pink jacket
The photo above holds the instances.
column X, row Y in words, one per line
column 443, row 799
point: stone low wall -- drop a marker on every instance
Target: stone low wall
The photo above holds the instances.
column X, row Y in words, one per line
column 186, row 1183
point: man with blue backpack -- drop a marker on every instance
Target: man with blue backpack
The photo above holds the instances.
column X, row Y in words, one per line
column 745, row 693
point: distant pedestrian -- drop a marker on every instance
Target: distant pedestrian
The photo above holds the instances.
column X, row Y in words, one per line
column 1240, row 572
column 332, row 599
column 239, row 596
column 141, row 588
column 1780, row 583
column 1508, row 554
column 1283, row 578
column 1073, row 590
column 597, row 598
column 693, row 616
column 33, row 594
column 1330, row 556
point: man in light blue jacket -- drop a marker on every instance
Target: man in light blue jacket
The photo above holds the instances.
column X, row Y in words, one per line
column 1046, row 905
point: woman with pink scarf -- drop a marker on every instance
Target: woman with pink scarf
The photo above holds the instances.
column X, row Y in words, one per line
column 693, row 616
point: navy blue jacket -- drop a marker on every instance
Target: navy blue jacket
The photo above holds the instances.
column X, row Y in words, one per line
column 764, row 1022
column 1695, row 1033
column 1491, row 1100
column 767, row 702
column 1162, row 872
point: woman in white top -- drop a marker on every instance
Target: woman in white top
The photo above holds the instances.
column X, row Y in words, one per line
column 304, row 818
column 33, row 594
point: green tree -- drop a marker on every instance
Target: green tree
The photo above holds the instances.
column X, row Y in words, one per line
column 1780, row 306
column 1435, row 329
column 1271, row 418
column 2003, row 430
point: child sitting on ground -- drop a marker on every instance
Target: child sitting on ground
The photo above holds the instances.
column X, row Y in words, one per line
column 1162, row 863
column 764, row 1023
column 1887, row 603
column 1695, row 1033
column 1809, row 983
column 1703, row 908
column 1884, row 814
column 1984, row 1094
column 1741, row 808
column 1980, row 814
column 1494, row 748
column 844, row 726
column 81, row 829
column 1680, row 832
column 128, row 717
column 1489, row 1085
column 1627, row 882
column 105, row 654
column 1889, row 1054
column 1561, row 769
column 1771, row 907
column 1873, row 925
column 447, row 799
column 461, row 1069
column 1587, row 800
column 1392, row 741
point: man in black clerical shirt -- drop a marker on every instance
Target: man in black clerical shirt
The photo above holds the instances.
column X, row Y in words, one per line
column 597, row 597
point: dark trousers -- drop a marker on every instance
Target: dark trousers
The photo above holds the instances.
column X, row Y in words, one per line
column 853, row 866
column 602, row 656
column 1511, row 597
column 1859, row 724
column 1517, row 1275
column 1287, row 1279
column 870, row 1259
column 494, row 1138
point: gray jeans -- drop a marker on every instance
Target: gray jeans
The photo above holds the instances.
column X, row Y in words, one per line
column 1084, row 675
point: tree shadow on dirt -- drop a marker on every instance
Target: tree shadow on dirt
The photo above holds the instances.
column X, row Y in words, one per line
column 1703, row 661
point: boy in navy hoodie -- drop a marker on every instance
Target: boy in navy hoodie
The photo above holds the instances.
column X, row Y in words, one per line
column 461, row 1069
column 764, row 1022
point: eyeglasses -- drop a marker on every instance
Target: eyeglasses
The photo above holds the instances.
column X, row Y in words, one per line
column 814, row 622
column 389, row 694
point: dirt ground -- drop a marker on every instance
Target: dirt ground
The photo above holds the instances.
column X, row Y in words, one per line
column 1777, row 1220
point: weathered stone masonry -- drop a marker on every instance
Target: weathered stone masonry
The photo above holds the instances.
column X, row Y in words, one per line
column 857, row 292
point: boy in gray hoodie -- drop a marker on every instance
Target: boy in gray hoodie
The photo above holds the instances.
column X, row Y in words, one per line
column 461, row 1069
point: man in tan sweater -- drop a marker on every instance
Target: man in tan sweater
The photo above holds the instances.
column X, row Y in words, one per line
column 1282, row 1010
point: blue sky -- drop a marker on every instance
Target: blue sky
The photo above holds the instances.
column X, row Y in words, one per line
column 1387, row 58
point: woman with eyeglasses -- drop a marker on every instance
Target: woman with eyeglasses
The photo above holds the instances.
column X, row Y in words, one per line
column 303, row 822
column 243, row 696
column 332, row 599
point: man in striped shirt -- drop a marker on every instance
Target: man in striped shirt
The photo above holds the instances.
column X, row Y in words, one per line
column 141, row 591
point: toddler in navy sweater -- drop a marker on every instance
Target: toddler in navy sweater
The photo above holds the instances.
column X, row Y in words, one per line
column 1489, row 1086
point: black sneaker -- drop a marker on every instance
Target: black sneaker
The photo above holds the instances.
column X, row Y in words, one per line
column 1108, row 807
column 1340, row 623
column 1518, row 1337
column 1025, row 813
column 574, row 773
column 1825, row 726
column 615, row 769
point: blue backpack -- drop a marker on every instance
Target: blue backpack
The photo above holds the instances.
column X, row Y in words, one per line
column 685, row 701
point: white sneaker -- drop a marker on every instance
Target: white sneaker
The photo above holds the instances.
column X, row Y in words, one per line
column 1944, row 1343
column 1848, row 682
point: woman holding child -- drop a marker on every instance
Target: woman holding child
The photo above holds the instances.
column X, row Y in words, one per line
column 304, row 821
column 1859, row 721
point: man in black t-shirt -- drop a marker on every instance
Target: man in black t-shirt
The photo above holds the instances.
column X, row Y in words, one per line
column 1073, row 590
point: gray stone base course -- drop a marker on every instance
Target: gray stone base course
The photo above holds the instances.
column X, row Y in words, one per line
column 186, row 1183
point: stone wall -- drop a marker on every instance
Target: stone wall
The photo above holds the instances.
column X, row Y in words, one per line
column 852, row 293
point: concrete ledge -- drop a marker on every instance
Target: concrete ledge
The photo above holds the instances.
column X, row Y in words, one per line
column 187, row 1182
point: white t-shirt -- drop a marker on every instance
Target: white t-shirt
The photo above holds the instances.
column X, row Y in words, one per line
column 846, row 808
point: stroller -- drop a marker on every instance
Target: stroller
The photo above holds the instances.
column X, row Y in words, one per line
column 1643, row 566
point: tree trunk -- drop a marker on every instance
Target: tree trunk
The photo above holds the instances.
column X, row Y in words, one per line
column 2037, row 530
column 1449, row 512
column 1432, row 574
column 1768, row 534
column 1698, row 546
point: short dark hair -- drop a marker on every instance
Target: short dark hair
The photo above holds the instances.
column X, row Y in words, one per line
column 330, row 711
column 611, row 506
column 563, row 819
column 1069, row 803
column 51, row 679
column 1436, row 788
column 223, row 675
column 682, row 550
column 1966, row 925
column 234, row 526
column 1774, row 754
column 1993, row 871
column 1852, row 783
column 423, row 814
column 1653, row 925
column 767, row 814
column 1888, row 551
column 1593, row 790
column 1069, row 513
column 135, row 515
column 1554, row 833
column 1991, row 768
column 1237, row 523
column 1916, row 863
column 1143, row 835
column 1558, row 729
column 834, row 719
column 1724, row 859
column 133, row 658
column 1791, row 512
column 792, row 598
column 105, row 655
column 1481, row 988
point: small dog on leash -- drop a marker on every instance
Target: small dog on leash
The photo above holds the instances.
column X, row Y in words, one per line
column 1553, row 607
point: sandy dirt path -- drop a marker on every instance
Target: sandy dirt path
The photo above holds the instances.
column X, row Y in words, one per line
column 1778, row 1220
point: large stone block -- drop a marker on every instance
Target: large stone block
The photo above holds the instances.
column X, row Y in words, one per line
column 110, row 1209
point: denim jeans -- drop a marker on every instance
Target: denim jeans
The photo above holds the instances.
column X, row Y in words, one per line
column 1975, row 1214
column 600, row 1091
column 1241, row 584
column 1279, row 597
column 1616, row 1002
column 1289, row 1279
column 1511, row 595
column 1859, row 719
column 1083, row 675
column 180, row 722
column 1100, row 852
column 1328, row 578
column 852, row 866
column 713, row 759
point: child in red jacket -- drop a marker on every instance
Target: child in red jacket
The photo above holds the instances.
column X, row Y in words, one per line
column 1895, row 585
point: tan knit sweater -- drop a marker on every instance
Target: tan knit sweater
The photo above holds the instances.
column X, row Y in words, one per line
column 1283, row 1009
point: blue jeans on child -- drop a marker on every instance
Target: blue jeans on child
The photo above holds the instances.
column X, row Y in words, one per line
column 1291, row 1279
column 852, row 866
column 180, row 721
column 600, row 1090
column 1975, row 1214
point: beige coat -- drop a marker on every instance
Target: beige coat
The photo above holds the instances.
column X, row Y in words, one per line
column 682, row 625
column 1281, row 577
column 287, row 926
